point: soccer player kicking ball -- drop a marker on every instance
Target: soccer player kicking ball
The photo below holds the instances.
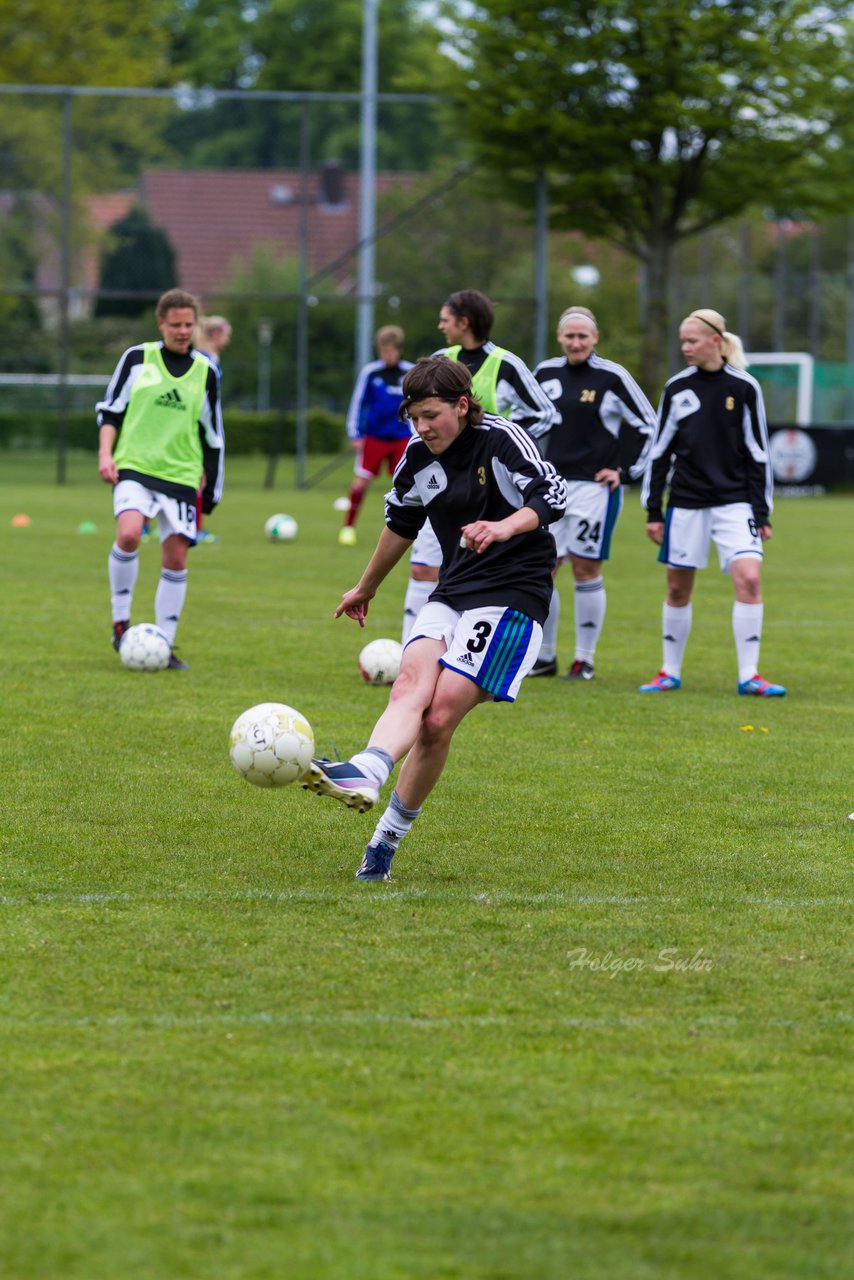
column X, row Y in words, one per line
column 160, row 440
column 490, row 496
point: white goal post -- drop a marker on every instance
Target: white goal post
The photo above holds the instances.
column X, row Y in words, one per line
column 805, row 366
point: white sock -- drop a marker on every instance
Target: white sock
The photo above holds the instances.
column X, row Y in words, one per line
column 675, row 628
column 375, row 764
column 123, row 568
column 416, row 597
column 548, row 649
column 747, row 629
column 395, row 822
column 589, row 615
column 169, row 601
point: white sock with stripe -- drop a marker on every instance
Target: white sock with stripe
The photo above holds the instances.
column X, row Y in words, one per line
column 123, row 567
column 395, row 823
column 590, row 601
column 169, row 601
column 747, row 629
column 548, row 649
column 675, row 630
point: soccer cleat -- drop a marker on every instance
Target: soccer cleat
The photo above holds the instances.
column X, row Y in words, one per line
column 544, row 667
column 175, row 663
column 342, row 781
column 661, row 684
column 347, row 536
column 119, row 628
column 376, row 864
column 759, row 687
column 580, row 670
column 203, row 536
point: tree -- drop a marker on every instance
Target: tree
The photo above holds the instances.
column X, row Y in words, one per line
column 656, row 119
column 139, row 259
column 303, row 46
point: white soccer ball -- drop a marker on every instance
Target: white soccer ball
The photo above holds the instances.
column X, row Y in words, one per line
column 341, row 504
column 379, row 661
column 144, row 648
column 281, row 528
column 271, row 745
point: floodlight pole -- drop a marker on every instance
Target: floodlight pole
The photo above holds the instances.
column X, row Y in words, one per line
column 367, row 186
column 542, row 268
column 64, row 293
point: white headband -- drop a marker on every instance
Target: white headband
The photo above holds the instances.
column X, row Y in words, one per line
column 575, row 316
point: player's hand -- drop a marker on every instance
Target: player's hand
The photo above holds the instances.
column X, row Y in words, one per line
column 655, row 531
column 765, row 532
column 608, row 476
column 355, row 604
column 107, row 469
column 482, row 533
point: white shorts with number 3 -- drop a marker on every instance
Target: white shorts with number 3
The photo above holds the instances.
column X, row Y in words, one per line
column 687, row 533
column 495, row 647
column 173, row 514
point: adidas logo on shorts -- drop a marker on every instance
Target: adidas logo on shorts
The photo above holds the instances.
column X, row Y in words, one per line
column 464, row 659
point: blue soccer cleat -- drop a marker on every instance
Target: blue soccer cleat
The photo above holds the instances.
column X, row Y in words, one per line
column 661, row 684
column 759, row 687
column 376, row 864
column 342, row 781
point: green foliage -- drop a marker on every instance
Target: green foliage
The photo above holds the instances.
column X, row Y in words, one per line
column 221, row 1057
column 656, row 120
column 301, row 46
column 137, row 258
column 20, row 321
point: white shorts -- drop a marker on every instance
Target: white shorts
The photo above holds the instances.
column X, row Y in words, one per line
column 585, row 528
column 426, row 549
column 687, row 532
column 174, row 515
column 495, row 647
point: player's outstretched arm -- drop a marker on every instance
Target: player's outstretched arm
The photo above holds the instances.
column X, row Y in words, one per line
column 390, row 548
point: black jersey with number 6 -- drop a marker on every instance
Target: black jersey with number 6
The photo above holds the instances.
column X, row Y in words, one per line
column 488, row 472
column 712, row 431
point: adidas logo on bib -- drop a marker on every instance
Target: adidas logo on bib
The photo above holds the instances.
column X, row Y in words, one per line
column 171, row 400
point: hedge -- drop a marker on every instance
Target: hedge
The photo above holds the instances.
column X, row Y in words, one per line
column 245, row 431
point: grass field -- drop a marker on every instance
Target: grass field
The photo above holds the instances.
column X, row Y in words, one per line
column 598, row 1027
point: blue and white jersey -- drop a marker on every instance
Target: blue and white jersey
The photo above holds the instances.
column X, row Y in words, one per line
column 376, row 401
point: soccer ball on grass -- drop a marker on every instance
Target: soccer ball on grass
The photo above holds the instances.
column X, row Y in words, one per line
column 379, row 661
column 144, row 648
column 271, row 745
column 281, row 528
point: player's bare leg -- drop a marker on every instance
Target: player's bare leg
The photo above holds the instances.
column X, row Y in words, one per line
column 453, row 699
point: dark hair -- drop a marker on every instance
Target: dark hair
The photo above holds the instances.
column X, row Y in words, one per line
column 443, row 379
column 476, row 308
column 173, row 298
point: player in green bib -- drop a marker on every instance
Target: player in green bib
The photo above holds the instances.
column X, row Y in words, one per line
column 160, row 441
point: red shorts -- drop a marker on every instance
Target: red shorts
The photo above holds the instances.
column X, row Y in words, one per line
column 374, row 453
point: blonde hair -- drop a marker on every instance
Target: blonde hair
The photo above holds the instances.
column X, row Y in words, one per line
column 732, row 348
column 577, row 311
column 390, row 335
